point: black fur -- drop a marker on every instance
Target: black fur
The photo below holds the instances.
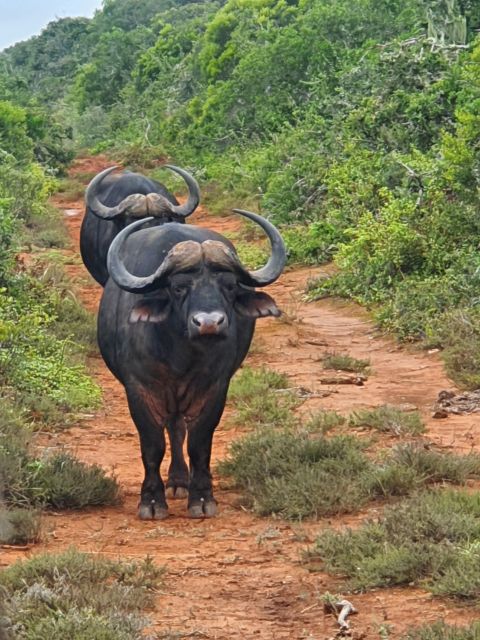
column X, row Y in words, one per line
column 173, row 375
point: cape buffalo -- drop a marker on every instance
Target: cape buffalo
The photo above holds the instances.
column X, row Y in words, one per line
column 114, row 201
column 174, row 334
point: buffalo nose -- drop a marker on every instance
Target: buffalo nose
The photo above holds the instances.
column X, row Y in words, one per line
column 209, row 323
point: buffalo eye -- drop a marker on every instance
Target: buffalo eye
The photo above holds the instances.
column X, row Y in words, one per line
column 179, row 290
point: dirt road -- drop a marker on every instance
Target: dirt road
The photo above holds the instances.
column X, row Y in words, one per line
column 240, row 576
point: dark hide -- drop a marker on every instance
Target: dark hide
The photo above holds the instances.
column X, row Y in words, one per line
column 175, row 350
column 96, row 235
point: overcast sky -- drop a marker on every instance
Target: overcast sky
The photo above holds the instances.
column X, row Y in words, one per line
column 21, row 19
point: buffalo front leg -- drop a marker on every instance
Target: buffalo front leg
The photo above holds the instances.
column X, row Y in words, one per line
column 149, row 423
column 178, row 476
column 201, row 503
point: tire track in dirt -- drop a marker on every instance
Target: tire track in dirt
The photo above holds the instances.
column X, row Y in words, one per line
column 239, row 576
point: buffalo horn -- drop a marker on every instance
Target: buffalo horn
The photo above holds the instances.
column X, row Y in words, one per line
column 94, row 204
column 140, row 205
column 191, row 204
column 278, row 258
column 117, row 270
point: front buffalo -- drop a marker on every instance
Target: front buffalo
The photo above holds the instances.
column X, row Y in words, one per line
column 174, row 334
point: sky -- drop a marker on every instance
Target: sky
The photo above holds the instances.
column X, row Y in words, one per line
column 21, row 19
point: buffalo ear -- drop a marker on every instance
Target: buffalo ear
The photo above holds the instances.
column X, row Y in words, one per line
column 149, row 311
column 256, row 304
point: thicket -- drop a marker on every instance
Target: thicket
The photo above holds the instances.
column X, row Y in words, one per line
column 353, row 124
column 40, row 361
column 44, row 332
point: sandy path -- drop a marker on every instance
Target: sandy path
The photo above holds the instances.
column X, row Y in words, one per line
column 239, row 576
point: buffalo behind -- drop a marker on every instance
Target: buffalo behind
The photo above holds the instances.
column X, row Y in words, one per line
column 112, row 202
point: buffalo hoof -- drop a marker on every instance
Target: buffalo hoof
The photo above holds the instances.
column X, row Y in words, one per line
column 203, row 509
column 176, row 493
column 152, row 511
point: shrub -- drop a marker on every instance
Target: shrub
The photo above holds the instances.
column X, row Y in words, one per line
column 262, row 398
column 19, row 526
column 388, row 419
column 296, row 473
column 433, row 537
column 29, row 482
column 441, row 631
column 76, row 595
column 66, row 483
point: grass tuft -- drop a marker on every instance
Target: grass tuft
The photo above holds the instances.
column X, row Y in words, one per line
column 433, row 537
column 76, row 595
column 323, row 422
column 261, row 398
column 344, row 362
column 388, row 419
column 441, row 631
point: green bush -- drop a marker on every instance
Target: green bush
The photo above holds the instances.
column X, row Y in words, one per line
column 441, row 631
column 300, row 473
column 388, row 419
column 29, row 482
column 433, row 537
column 19, row 526
column 261, row 397
column 76, row 595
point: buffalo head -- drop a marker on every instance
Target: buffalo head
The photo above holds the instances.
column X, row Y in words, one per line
column 138, row 205
column 200, row 283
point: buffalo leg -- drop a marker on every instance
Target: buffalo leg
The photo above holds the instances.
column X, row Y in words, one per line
column 201, row 503
column 178, row 477
column 152, row 443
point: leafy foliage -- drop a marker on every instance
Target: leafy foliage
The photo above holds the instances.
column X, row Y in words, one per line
column 355, row 125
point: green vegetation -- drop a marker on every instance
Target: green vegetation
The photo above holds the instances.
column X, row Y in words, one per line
column 76, row 595
column 298, row 473
column 442, row 631
column 262, row 398
column 344, row 362
column 353, row 124
column 29, row 481
column 388, row 419
column 40, row 359
column 432, row 538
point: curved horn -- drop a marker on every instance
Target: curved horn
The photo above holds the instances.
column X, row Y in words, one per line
column 93, row 203
column 117, row 270
column 276, row 263
column 193, row 193
column 183, row 254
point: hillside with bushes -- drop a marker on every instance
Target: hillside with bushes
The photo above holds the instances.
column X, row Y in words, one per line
column 353, row 125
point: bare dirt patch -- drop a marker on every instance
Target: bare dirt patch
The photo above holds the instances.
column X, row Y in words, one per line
column 240, row 576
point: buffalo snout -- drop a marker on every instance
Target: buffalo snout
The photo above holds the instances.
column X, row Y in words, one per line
column 205, row 323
